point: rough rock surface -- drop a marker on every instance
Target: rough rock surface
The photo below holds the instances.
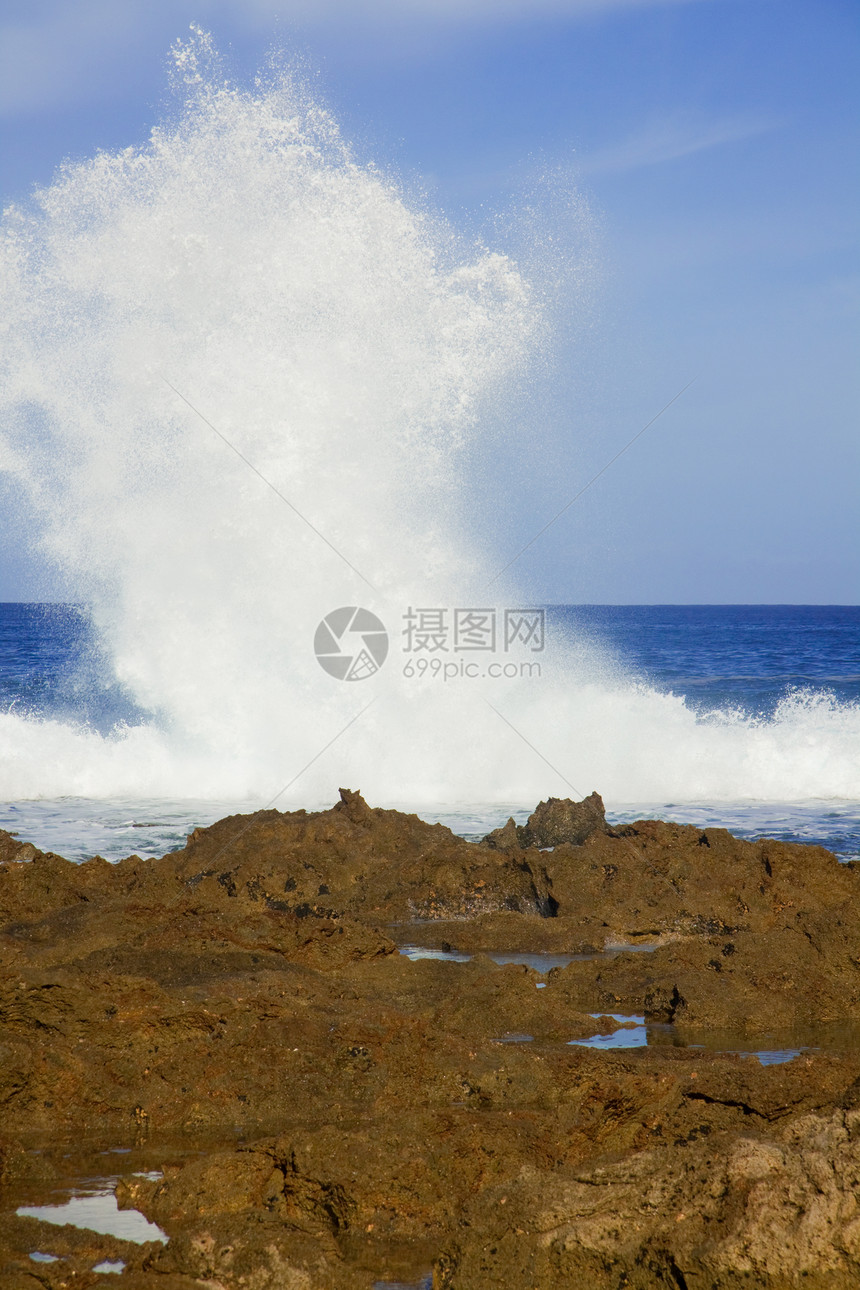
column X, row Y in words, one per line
column 551, row 823
column 325, row 1112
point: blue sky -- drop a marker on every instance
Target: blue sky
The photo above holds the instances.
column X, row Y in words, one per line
column 714, row 144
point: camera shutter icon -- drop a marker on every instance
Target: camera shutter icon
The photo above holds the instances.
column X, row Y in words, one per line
column 351, row 643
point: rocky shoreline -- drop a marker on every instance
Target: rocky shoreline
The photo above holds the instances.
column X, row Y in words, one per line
column 325, row 1111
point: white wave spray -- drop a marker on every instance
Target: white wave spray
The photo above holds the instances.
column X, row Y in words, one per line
column 348, row 346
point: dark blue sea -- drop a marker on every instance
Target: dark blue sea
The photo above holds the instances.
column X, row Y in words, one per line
column 743, row 659
column 723, row 656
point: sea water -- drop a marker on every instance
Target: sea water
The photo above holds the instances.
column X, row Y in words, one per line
column 764, row 657
column 241, row 378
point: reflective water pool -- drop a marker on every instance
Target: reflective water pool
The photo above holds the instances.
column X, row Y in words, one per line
column 542, row 963
column 94, row 1207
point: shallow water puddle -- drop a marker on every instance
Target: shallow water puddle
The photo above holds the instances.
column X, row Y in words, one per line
column 637, row 1035
column 97, row 1211
column 773, row 1054
column 774, row 1057
column 108, row 1265
column 542, row 963
column 419, row 952
column 634, row 1034
column 426, row 1283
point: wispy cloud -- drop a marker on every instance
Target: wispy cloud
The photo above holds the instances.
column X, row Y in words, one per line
column 58, row 51
column 449, row 12
column 672, row 139
column 60, row 48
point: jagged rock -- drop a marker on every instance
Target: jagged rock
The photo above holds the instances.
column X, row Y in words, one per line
column 14, row 851
column 552, row 823
column 506, row 838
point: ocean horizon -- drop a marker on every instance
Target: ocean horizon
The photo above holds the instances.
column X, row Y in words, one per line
column 752, row 674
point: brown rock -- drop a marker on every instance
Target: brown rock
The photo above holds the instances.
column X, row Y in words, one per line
column 553, row 822
column 752, row 1210
column 395, row 1114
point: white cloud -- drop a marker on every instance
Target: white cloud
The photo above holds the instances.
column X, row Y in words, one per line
column 671, row 139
